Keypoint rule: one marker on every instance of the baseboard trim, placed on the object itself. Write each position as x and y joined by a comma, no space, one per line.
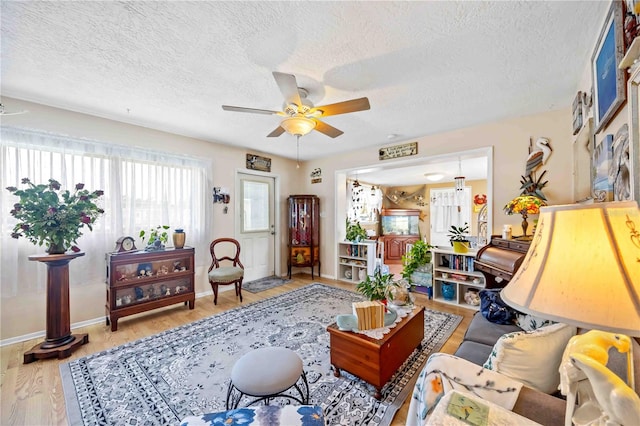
76,325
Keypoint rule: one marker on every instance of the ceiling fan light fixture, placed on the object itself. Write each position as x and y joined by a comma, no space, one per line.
434,177
298,126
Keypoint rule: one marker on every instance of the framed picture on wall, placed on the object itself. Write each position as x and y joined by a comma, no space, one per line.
577,113
602,164
621,169
608,80
634,131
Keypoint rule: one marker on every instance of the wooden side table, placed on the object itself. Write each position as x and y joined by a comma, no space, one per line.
59,342
373,360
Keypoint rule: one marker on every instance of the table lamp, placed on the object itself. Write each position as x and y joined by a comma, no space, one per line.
583,269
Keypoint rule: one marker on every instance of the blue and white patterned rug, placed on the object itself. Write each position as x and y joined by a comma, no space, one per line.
263,284
160,379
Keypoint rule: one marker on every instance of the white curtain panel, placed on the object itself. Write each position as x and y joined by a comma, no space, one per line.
142,189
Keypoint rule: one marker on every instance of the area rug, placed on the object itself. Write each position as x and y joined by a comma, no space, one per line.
263,284
185,371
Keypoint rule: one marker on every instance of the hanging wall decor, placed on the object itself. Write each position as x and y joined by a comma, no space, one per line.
398,151
256,162
608,79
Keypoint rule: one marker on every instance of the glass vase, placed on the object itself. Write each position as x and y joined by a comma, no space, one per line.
56,248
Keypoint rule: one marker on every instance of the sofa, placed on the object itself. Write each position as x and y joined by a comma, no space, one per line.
545,408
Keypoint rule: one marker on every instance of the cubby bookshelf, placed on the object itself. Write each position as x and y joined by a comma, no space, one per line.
356,260
455,270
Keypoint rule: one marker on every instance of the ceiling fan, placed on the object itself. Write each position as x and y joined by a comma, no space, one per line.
301,116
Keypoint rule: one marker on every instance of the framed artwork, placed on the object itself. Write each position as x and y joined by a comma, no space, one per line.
620,167
602,156
608,79
398,151
577,113
634,132
256,162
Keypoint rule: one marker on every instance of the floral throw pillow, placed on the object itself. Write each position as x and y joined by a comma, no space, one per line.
529,322
532,357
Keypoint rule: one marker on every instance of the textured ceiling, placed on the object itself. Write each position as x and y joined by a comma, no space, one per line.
426,67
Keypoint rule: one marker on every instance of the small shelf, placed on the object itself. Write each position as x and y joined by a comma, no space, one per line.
355,260
459,275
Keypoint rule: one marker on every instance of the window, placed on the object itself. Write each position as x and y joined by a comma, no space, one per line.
143,189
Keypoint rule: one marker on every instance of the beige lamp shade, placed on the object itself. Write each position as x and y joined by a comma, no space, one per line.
583,268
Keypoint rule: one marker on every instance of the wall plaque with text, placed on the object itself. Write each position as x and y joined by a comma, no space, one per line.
398,151
255,162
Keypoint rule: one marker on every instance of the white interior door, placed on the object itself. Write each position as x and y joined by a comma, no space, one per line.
448,207
257,225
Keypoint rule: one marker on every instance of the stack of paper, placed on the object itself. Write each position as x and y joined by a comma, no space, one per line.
370,314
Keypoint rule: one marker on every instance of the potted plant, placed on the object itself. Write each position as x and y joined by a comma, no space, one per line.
158,236
355,232
376,288
48,215
415,259
458,237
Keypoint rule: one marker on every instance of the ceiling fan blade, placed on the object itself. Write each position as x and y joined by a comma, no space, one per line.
276,132
252,110
288,87
328,130
353,105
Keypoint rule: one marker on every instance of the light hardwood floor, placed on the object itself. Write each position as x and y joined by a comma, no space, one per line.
31,394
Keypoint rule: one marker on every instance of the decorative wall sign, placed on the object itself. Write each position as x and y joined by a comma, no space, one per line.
398,151
608,79
316,175
255,162
577,113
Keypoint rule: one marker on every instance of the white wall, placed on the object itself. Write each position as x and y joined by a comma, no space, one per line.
26,314
510,141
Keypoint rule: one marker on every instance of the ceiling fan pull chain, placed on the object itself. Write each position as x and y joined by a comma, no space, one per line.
297,151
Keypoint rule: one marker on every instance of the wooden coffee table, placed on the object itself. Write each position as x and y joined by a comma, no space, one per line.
373,360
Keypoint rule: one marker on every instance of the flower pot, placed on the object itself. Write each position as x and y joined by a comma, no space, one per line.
460,246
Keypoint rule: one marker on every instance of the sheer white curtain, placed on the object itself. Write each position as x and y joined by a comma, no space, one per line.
143,189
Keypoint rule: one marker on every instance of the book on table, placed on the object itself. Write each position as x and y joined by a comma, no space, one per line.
468,409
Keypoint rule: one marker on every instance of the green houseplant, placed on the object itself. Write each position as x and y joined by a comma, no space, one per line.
458,237
376,288
158,237
50,215
355,232
419,255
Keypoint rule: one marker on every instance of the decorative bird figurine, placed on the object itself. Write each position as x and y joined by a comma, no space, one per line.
539,156
595,344
619,403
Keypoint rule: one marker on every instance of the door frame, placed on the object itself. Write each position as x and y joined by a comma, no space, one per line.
276,212
340,190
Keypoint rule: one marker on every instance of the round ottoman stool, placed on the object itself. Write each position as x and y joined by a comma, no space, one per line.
268,373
